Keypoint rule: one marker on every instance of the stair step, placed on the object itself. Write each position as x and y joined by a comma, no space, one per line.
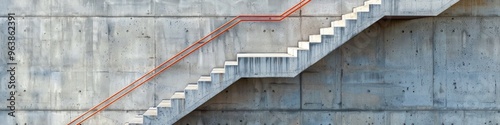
151,112
350,16
263,55
315,38
339,23
231,70
163,109
205,84
294,50
178,95
217,75
326,31
231,63
205,78
365,8
177,101
192,94
373,2
304,44
165,104
192,86
218,70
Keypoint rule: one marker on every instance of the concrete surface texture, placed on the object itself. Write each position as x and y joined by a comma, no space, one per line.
433,70
74,54
288,64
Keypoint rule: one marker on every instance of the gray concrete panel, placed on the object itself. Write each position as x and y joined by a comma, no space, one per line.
473,8
258,94
343,117
468,68
245,118
73,54
321,89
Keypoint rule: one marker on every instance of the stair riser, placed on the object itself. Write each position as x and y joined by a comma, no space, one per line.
267,66
177,107
217,78
191,96
231,72
148,119
163,112
205,87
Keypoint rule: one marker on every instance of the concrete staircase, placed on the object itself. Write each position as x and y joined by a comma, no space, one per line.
254,65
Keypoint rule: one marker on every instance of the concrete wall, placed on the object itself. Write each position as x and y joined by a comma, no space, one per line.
73,54
434,70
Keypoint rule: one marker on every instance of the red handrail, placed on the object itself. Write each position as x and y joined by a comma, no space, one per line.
181,55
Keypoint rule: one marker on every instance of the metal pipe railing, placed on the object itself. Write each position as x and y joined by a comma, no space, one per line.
181,55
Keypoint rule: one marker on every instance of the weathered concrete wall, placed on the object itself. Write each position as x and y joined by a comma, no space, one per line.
435,70
74,54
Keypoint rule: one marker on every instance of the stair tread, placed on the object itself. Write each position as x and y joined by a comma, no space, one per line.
218,70
339,23
327,31
365,8
192,87
178,95
373,2
205,78
304,45
151,111
353,15
315,38
165,103
264,55
137,120
231,63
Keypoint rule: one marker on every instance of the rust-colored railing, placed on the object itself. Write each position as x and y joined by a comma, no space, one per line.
181,55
